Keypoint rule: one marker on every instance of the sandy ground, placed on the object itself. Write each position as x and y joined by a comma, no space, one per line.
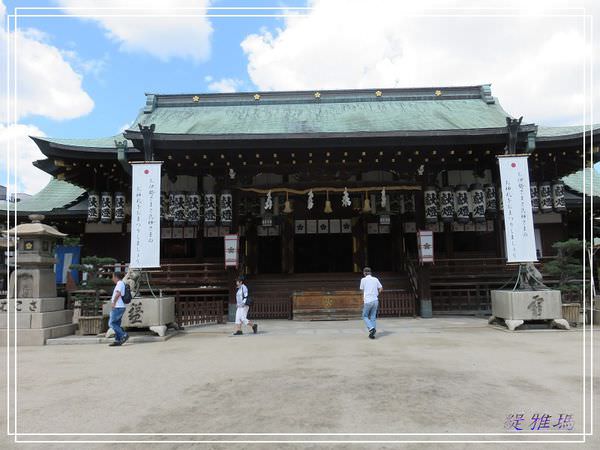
450,375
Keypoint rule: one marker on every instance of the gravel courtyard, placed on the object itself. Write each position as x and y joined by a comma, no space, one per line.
442,375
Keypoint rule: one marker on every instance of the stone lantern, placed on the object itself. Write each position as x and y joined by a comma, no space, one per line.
40,313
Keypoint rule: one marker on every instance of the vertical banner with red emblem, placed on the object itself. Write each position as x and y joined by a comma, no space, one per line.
231,250
425,243
518,218
145,215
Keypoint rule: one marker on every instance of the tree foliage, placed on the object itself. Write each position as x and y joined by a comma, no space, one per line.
567,265
98,275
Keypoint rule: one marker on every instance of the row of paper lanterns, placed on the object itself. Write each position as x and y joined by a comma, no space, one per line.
190,208
449,203
106,207
462,203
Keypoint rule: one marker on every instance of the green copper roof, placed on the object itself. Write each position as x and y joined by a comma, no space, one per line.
305,112
105,142
547,132
56,194
575,181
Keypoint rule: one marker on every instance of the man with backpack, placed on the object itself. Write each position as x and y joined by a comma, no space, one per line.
120,297
243,302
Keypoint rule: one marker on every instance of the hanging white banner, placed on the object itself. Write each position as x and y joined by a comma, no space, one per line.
425,244
518,218
145,215
231,250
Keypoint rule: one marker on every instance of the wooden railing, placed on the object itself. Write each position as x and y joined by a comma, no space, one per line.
396,303
461,299
196,308
179,274
207,274
465,285
276,307
411,271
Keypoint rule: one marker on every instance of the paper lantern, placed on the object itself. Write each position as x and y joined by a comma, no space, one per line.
446,199
119,207
93,207
106,207
477,203
226,208
545,197
462,204
535,197
558,196
491,204
171,206
408,203
164,206
430,199
179,209
193,208
210,209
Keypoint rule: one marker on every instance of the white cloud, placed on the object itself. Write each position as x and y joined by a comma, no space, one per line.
162,37
29,178
535,64
225,85
47,85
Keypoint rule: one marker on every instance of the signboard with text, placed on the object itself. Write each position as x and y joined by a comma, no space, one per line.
145,215
518,216
425,243
231,250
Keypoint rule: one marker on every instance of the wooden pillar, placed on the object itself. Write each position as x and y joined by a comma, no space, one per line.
397,244
235,208
498,222
287,243
358,243
449,240
251,247
448,236
424,270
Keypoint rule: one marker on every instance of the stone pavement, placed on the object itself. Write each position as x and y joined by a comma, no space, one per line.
441,375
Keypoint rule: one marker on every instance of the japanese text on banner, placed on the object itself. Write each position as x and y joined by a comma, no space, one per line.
518,216
145,216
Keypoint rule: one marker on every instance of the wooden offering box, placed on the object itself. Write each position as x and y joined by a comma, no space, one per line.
334,305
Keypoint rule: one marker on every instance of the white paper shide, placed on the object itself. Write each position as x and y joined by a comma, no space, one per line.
145,215
518,218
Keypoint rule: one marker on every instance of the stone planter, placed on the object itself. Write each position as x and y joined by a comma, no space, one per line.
516,307
147,312
90,325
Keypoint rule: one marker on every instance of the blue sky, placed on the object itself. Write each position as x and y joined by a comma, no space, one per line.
118,84
87,77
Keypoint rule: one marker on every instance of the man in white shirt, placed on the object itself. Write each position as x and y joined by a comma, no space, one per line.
117,310
371,288
241,313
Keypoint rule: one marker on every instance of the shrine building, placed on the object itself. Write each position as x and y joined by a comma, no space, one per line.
318,185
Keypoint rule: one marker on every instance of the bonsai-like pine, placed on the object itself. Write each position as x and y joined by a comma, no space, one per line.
98,283
71,241
98,274
567,266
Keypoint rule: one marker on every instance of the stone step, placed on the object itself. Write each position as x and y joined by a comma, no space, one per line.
38,320
38,336
38,305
